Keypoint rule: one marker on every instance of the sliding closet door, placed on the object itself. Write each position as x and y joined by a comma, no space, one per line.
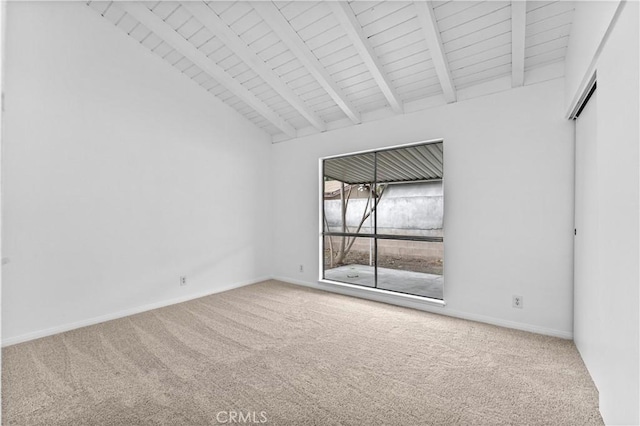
587,277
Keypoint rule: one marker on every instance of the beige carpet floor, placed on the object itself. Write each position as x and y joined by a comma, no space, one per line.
295,356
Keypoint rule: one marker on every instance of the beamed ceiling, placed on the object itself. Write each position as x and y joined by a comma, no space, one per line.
302,67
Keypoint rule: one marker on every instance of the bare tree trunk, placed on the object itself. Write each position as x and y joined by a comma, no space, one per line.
343,217
326,222
345,243
365,217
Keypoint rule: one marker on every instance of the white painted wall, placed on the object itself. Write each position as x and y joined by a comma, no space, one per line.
607,303
2,55
590,23
119,175
508,202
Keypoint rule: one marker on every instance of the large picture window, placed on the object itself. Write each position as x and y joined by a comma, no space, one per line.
382,214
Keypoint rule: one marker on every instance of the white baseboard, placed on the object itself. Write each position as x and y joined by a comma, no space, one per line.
399,300
124,313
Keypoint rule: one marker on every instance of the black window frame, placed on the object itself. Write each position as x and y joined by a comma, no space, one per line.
375,236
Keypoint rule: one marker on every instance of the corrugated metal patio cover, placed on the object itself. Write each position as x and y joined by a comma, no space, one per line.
420,162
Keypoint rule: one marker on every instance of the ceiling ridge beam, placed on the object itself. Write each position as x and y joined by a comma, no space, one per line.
350,24
154,23
220,29
272,16
518,37
429,24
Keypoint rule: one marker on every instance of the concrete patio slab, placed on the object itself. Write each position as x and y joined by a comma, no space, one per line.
416,283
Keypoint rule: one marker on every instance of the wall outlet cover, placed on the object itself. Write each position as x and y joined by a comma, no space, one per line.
517,302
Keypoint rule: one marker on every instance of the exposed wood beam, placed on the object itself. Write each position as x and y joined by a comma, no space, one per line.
429,24
349,22
518,28
281,27
220,29
188,50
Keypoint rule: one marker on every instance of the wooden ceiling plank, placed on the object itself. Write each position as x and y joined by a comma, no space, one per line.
378,12
469,40
545,58
280,26
411,69
548,11
481,66
482,76
558,32
360,71
428,22
481,46
311,16
318,40
363,6
479,10
316,93
264,42
338,45
342,60
343,64
394,33
164,31
221,30
256,33
409,50
295,8
452,8
482,22
485,55
518,32
428,77
400,43
546,46
548,24
394,19
244,24
407,61
350,24
234,13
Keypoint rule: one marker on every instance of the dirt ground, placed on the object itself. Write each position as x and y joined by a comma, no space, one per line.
429,265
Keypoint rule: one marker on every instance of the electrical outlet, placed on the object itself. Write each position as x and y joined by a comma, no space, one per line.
183,280
518,302
301,269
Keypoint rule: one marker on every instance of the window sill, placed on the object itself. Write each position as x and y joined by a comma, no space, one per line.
376,291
